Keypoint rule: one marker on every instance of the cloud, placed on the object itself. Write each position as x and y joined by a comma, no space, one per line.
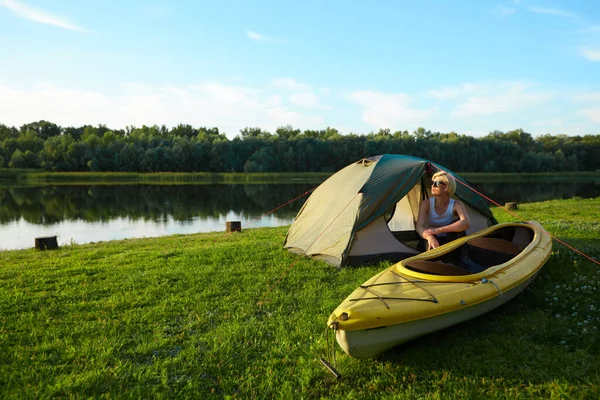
388,110
33,14
308,100
592,113
591,105
230,108
552,11
254,36
590,54
302,94
489,99
453,92
589,96
259,37
290,84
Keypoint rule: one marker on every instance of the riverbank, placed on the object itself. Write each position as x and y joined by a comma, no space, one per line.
112,178
177,316
29,176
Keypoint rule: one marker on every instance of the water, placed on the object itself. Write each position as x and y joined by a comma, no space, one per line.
92,213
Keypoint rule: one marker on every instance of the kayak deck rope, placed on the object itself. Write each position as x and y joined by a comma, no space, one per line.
485,280
369,289
521,218
416,283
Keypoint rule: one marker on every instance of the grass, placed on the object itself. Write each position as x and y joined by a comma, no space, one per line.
178,317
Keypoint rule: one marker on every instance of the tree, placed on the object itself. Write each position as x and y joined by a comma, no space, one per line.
43,129
248,133
26,159
287,132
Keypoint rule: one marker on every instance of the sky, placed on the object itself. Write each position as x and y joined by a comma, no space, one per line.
469,67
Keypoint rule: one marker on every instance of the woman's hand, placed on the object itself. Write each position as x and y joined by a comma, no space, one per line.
432,242
432,231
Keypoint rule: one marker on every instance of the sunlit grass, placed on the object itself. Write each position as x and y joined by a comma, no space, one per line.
178,316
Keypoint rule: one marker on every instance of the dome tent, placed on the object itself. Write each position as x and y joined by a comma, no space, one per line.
368,210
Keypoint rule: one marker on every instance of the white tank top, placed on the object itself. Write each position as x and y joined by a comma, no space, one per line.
444,219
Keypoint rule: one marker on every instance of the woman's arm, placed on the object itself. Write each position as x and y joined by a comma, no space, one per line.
462,224
431,240
421,220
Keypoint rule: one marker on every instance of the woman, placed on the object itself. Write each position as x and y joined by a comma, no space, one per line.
437,223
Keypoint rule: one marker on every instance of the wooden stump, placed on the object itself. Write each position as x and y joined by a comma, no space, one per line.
46,243
511,206
233,226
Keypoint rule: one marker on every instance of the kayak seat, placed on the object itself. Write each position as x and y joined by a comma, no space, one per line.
500,245
489,252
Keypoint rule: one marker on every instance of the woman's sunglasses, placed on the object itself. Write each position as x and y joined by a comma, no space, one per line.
438,183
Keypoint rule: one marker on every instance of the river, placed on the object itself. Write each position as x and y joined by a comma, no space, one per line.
91,213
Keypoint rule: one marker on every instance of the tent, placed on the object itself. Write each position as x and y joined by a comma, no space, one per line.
368,211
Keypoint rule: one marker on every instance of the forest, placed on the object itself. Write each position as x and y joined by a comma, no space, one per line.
50,147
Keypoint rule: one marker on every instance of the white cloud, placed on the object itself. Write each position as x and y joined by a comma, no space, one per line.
382,110
453,92
552,11
290,84
302,94
307,99
259,37
230,108
475,108
590,54
254,36
34,14
488,98
589,96
593,113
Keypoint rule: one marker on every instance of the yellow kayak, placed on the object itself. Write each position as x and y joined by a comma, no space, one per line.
439,288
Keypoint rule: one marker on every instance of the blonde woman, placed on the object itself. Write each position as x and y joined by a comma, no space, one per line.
441,219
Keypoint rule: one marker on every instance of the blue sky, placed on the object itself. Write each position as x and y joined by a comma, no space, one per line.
465,66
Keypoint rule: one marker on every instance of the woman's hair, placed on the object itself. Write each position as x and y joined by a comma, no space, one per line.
447,179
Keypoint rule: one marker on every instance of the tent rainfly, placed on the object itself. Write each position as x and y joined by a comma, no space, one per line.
368,210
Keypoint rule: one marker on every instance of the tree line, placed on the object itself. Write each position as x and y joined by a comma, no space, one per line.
185,148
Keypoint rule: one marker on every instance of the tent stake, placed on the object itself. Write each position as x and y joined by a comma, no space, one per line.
330,368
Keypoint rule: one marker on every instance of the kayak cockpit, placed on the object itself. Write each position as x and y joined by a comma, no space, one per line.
476,254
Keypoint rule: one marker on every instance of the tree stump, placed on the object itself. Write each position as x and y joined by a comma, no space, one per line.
46,243
511,206
233,226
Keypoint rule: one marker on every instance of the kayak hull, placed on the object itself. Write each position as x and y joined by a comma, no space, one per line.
410,299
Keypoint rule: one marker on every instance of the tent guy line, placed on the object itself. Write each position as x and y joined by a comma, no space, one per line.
523,219
299,255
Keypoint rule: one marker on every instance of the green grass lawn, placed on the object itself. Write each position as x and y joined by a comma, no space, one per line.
178,316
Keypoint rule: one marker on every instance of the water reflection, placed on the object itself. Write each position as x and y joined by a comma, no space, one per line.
539,190
92,203
91,213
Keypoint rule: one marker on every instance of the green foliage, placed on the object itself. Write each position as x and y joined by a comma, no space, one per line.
188,149
178,317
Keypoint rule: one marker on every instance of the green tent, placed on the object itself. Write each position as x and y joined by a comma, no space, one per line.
368,210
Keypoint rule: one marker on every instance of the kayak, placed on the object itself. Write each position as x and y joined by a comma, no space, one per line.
442,287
